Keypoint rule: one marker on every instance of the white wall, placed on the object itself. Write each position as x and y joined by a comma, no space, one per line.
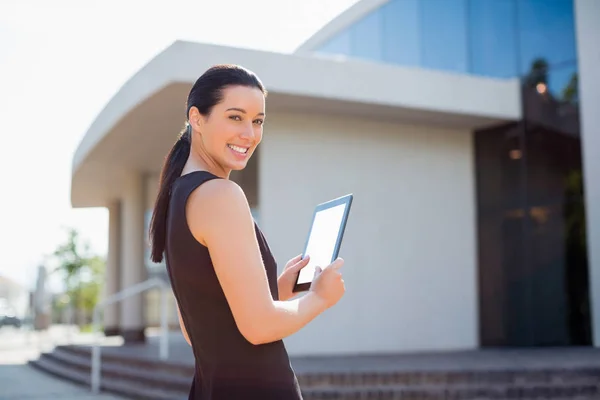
410,244
13,298
151,182
152,297
131,251
151,189
587,14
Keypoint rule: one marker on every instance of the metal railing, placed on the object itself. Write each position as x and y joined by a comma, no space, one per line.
117,297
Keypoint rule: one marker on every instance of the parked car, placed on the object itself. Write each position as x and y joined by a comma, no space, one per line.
8,318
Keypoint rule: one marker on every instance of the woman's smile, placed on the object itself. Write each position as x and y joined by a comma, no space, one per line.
238,149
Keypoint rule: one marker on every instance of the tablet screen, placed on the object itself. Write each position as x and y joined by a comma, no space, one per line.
321,241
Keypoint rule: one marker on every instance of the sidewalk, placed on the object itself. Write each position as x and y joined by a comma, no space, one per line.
19,381
24,382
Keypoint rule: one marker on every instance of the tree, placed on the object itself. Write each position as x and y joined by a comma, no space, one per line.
82,273
570,92
538,73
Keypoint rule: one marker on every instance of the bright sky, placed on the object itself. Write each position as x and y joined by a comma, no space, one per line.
60,63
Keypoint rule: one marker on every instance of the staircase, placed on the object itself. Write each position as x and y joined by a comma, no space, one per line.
142,378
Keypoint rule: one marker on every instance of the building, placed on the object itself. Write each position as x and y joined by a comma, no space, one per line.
14,298
467,131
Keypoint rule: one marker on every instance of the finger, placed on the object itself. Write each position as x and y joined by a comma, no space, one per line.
301,263
294,261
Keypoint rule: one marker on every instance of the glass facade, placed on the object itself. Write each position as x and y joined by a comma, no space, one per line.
533,274
494,38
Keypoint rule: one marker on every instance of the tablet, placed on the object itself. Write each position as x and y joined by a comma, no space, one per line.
324,238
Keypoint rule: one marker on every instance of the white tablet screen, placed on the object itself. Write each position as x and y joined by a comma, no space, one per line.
322,239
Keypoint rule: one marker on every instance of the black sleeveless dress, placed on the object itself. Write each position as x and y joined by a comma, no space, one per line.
227,366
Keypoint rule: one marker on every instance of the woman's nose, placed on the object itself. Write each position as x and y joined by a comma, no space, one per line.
248,131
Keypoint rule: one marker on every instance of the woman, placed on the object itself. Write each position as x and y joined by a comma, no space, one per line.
233,309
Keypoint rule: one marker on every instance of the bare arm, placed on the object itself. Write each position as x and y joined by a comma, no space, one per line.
182,326
219,217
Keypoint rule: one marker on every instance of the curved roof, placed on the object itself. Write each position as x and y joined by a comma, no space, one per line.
353,14
139,124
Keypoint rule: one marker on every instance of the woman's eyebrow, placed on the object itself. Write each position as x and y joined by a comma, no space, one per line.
241,110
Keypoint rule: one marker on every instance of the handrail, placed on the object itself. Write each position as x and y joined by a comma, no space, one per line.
117,297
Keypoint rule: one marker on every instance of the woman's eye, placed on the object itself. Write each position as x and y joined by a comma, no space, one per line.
235,117
259,121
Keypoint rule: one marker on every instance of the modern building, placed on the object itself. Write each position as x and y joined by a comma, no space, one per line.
14,298
467,131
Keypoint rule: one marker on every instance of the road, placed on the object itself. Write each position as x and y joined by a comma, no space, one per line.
19,381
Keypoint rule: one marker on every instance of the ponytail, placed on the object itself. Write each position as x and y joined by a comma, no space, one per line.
171,170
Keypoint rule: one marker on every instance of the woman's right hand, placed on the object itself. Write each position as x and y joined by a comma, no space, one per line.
328,283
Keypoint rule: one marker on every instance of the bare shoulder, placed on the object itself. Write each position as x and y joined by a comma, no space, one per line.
217,203
216,191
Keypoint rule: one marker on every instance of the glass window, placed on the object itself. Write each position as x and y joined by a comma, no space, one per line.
496,38
443,33
400,41
339,44
547,37
366,37
493,38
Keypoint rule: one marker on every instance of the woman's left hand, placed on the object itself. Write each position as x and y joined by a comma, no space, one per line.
287,279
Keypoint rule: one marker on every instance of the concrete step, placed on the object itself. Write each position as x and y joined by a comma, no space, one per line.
388,376
137,390
516,377
122,387
133,361
564,391
144,378
152,377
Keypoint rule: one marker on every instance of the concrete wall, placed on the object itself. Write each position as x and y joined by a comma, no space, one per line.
587,14
152,307
151,188
410,244
14,298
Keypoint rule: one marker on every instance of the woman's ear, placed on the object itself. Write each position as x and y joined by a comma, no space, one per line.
195,119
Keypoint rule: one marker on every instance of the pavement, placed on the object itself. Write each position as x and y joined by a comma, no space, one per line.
19,381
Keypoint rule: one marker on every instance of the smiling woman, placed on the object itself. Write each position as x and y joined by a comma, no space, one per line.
233,308
229,135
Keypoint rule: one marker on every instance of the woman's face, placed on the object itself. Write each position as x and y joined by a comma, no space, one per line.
230,134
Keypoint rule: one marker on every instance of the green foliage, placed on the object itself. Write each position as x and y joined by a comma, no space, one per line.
538,72
570,92
82,271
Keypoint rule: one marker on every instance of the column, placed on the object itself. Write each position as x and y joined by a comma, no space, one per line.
132,258
587,17
112,274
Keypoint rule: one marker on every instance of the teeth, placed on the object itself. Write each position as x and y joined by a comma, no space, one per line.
238,149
